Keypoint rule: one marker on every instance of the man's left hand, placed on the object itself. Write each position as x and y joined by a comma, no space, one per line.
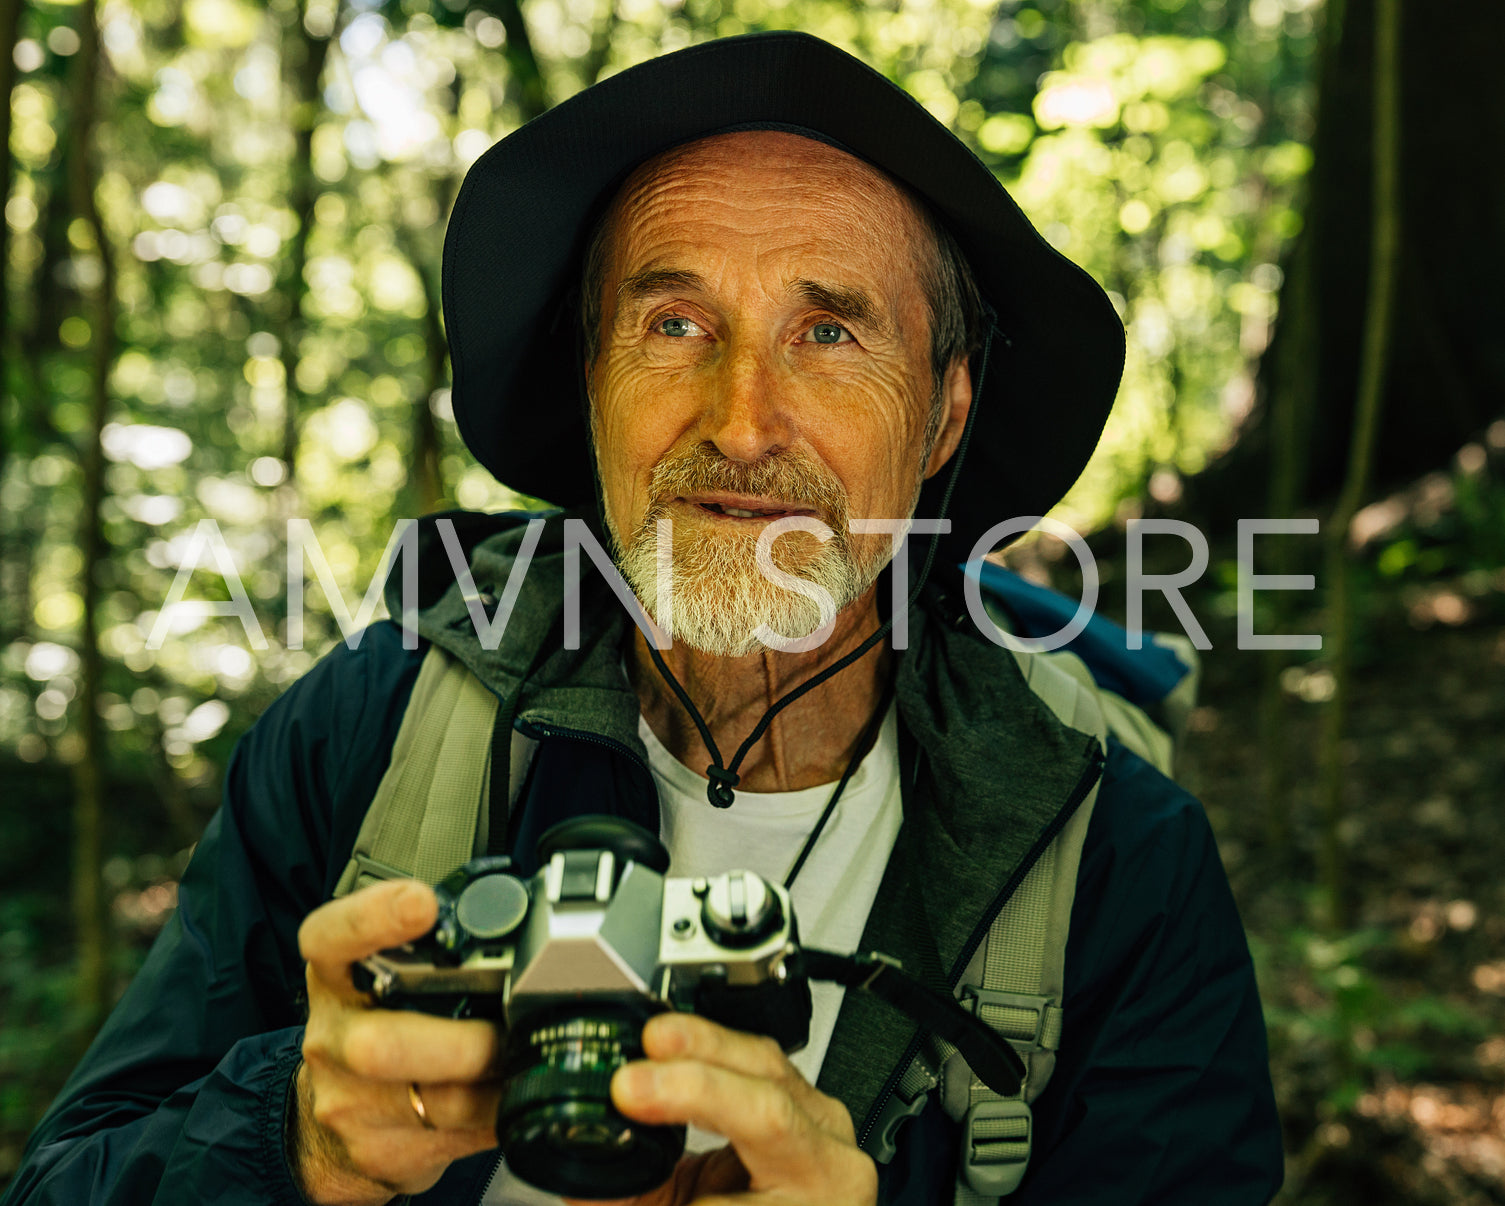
790,1143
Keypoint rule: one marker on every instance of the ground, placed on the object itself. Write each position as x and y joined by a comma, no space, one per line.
1387,1043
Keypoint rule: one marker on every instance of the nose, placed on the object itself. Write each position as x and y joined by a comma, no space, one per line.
746,416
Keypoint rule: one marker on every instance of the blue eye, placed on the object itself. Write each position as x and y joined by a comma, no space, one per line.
827,332
677,328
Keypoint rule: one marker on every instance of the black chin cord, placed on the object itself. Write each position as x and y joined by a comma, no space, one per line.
723,777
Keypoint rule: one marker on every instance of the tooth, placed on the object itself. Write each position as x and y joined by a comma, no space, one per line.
738,513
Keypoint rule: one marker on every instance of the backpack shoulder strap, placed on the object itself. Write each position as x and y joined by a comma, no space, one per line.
1150,727
424,818
1016,980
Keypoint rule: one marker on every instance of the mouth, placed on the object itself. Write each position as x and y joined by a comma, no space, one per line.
742,507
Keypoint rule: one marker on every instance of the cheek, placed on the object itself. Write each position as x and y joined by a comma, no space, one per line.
633,430
872,434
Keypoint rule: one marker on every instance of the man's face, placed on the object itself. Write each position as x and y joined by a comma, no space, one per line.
764,352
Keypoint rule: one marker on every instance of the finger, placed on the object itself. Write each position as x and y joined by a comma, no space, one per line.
387,914
359,1130
395,1045
689,1036
719,1171
779,1143
346,1103
459,1107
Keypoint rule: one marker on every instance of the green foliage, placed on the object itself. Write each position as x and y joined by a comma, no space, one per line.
1446,524
36,991
1166,161
1325,1007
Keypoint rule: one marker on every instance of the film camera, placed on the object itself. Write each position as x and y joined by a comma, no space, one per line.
576,959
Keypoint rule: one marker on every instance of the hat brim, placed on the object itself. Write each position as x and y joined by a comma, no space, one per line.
513,250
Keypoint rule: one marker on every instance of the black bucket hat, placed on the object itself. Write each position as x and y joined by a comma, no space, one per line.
516,238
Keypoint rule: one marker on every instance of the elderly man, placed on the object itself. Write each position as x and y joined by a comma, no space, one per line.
788,276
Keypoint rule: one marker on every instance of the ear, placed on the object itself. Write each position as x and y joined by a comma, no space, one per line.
956,392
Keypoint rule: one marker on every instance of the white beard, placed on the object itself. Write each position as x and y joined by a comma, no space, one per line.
717,598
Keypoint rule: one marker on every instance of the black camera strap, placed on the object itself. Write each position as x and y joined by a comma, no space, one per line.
987,1052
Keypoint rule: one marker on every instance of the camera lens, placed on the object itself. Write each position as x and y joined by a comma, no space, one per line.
556,1125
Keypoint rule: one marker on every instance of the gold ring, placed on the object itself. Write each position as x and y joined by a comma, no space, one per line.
415,1099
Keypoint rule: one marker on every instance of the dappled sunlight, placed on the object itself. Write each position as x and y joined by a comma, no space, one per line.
277,396
1457,1126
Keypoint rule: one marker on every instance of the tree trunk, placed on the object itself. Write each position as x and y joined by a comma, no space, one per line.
303,65
32,428
1446,376
1292,394
90,915
522,64
1384,264
10,25
427,477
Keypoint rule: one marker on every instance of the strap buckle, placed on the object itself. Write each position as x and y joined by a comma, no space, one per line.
996,1139
376,869
922,1079
1032,1034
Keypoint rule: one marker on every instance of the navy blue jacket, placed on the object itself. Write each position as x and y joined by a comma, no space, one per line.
1161,1092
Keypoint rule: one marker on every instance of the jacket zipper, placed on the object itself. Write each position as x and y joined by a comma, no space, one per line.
1089,777
536,730
532,728
496,1171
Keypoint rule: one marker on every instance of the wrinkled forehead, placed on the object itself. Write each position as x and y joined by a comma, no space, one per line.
775,166
763,155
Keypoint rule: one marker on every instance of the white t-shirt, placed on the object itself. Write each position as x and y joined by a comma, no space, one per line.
764,832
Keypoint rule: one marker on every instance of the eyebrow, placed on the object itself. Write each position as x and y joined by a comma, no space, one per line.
841,301
651,281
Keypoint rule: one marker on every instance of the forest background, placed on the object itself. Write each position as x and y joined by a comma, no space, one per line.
219,303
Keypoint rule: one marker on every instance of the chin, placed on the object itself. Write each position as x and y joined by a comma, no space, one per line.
718,599
723,622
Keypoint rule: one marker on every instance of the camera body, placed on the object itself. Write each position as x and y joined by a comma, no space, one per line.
572,962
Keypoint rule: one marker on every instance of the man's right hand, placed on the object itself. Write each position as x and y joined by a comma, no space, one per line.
356,1138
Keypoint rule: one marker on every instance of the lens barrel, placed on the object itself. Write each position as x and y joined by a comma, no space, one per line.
556,1125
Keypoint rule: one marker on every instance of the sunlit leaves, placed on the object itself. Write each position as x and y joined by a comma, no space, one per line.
1143,163
34,132
1006,133
144,445
220,23
1102,77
